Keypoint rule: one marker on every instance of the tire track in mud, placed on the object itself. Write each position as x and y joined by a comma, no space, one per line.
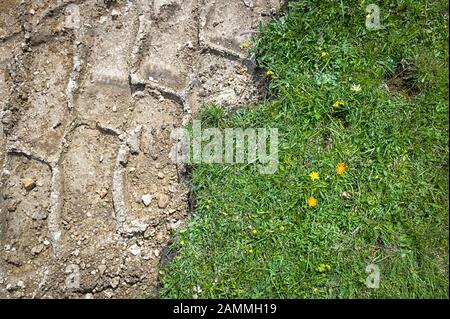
91,91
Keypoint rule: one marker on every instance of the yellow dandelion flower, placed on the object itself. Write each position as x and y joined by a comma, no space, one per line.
324,54
341,168
282,228
245,45
323,268
356,88
338,104
250,251
314,176
312,202
269,73
254,231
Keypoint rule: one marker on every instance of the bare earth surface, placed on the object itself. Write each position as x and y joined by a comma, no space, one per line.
90,92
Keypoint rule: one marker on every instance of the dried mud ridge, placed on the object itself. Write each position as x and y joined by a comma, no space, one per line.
90,91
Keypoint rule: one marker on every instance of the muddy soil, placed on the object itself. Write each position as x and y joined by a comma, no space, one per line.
90,92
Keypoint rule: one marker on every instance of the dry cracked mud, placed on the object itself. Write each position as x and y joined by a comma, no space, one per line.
90,92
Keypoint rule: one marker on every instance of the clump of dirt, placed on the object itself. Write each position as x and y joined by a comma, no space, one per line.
403,79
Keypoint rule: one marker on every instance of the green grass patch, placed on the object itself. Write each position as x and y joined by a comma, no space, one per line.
254,236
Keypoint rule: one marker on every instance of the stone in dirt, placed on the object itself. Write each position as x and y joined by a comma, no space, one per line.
103,193
160,237
134,227
102,269
163,201
146,199
28,183
115,14
15,286
36,250
114,282
135,250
